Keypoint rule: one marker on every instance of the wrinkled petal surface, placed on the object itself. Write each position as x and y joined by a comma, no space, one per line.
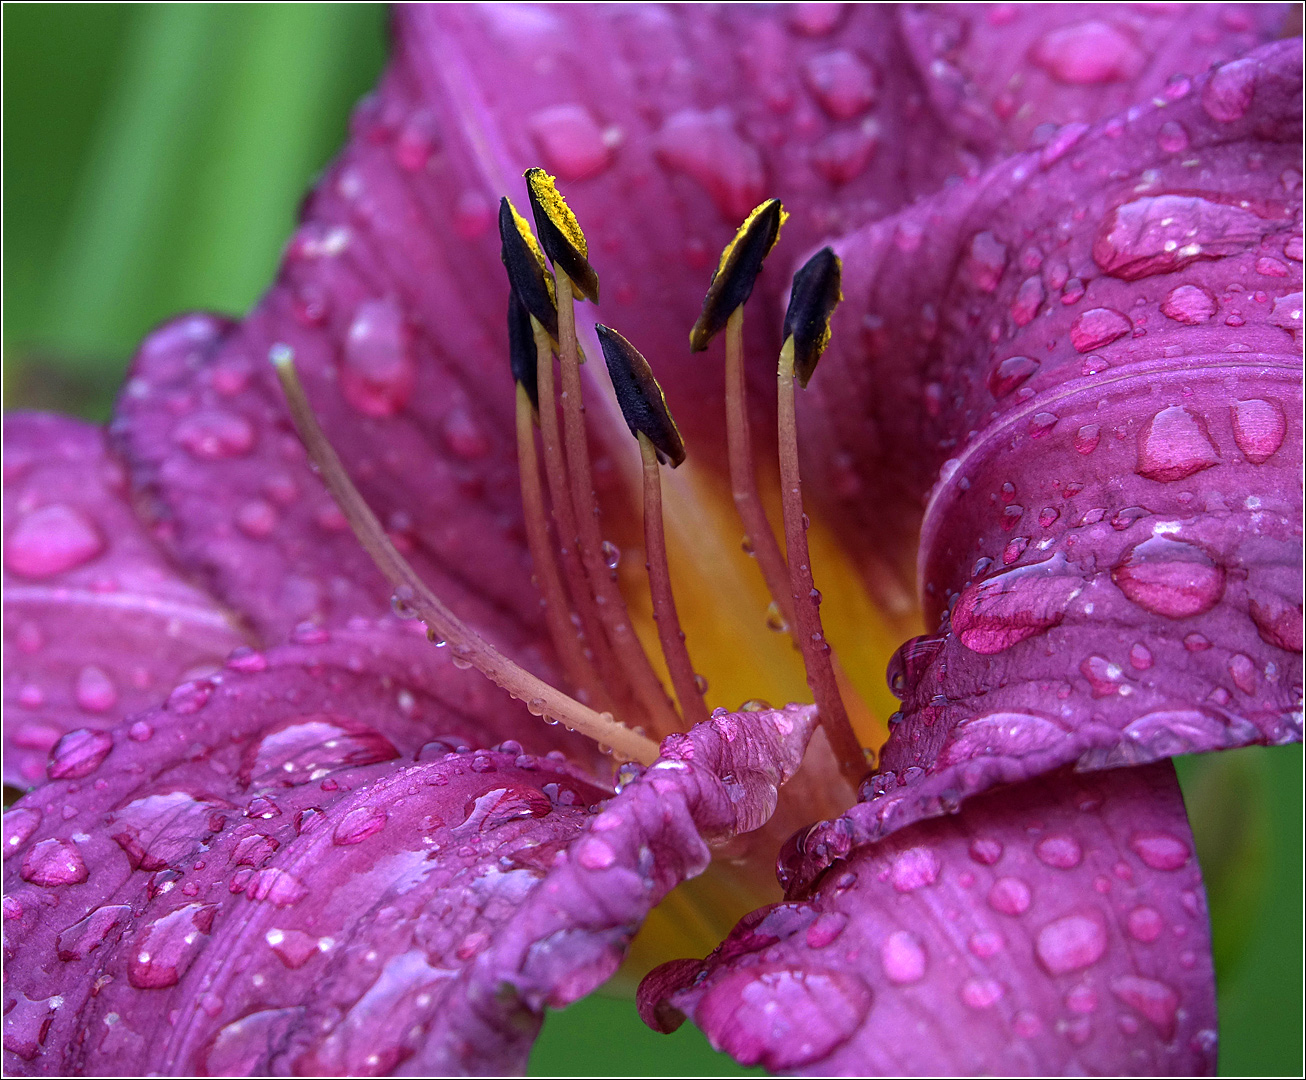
281,871
98,624
1057,927
1111,397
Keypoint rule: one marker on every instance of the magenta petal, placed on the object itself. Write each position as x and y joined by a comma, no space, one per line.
1055,927
281,870
1112,549
98,625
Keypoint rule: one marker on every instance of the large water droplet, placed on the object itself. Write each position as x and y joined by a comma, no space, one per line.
157,831
706,147
1029,298
1169,577
571,141
1002,734
313,747
1098,327
914,869
86,935
1228,92
1103,676
1159,234
1011,373
909,663
826,929
1145,924
843,84
54,862
1155,1000
163,951
379,371
995,614
842,156
19,824
986,261
1160,850
276,886
1060,851
783,1019
1070,944
903,957
1189,304
611,554
1172,137
94,690
1010,896
979,992
1174,445
1258,428
1088,53
79,754
51,540
358,824
212,434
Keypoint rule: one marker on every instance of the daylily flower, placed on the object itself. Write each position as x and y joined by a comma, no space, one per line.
277,829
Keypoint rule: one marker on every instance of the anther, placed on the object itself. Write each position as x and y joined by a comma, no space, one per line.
527,272
736,273
521,349
560,233
468,646
816,293
645,410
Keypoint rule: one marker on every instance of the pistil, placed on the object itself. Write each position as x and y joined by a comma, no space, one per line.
468,646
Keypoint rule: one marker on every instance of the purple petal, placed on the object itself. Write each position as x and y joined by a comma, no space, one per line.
282,871
1112,549
1055,927
98,625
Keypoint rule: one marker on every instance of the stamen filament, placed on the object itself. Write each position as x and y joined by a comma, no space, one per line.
670,634
577,666
467,645
611,605
743,475
610,671
810,636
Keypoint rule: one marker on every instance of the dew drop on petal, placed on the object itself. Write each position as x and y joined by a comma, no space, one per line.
1155,1000
51,540
914,869
1060,851
83,937
1010,896
79,753
980,992
1087,54
163,950
571,141
903,957
1258,428
19,824
1098,327
1160,850
706,147
358,824
212,434
1169,577
379,372
1011,373
985,850
54,862
1070,944
1145,924
1174,445
1228,92
94,690
1189,304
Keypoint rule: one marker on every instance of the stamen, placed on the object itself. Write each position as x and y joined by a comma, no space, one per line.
645,408
810,636
527,273
560,233
736,273
541,698
611,605
610,671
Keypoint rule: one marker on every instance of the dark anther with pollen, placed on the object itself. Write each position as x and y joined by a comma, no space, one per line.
816,293
521,348
527,273
560,233
641,399
736,273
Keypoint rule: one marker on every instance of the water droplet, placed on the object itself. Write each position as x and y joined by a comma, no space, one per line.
979,992
86,935
1029,298
54,862
94,690
358,824
706,147
1160,850
1081,999
985,850
700,684
294,948
1140,656
1010,896
1145,924
1070,944
276,886
1243,672
986,943
1002,610
842,156
571,141
473,214
1087,438
212,434
774,620
312,747
1171,137
417,141
1258,428
19,824
826,929
464,436
157,831
844,85
1156,1001
1159,234
1059,851
914,869
595,854
78,754
246,660
256,519
1011,373
985,262
1098,327
783,1019
1228,92
378,372
1196,642
190,697
1170,578
51,540
1088,53
1189,304
903,957
611,554
1103,676
163,951
1041,423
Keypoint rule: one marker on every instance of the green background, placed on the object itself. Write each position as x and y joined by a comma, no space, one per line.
153,160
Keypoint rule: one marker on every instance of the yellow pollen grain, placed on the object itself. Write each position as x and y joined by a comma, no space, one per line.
545,189
524,230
